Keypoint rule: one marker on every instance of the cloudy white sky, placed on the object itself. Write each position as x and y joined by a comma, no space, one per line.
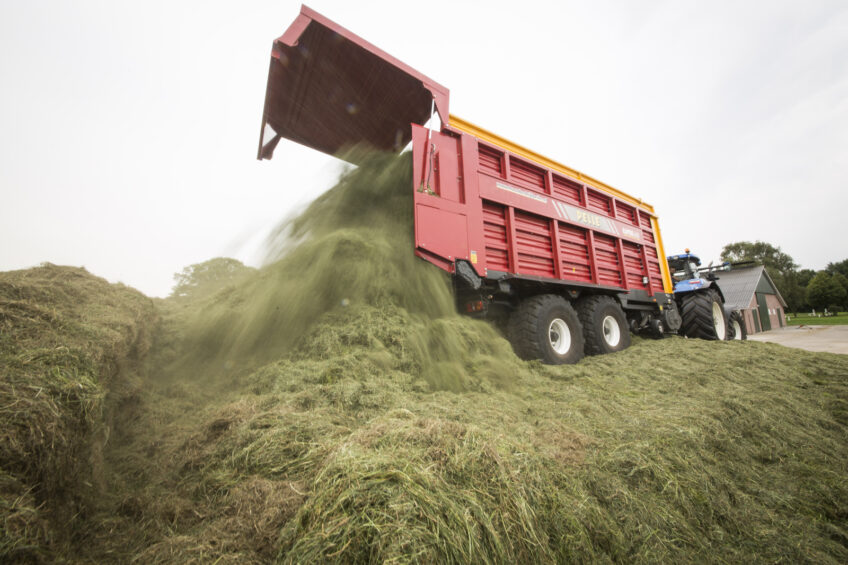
129,130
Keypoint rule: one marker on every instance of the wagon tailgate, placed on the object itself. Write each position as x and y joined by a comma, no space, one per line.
328,89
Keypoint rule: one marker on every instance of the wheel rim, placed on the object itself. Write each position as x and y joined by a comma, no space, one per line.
612,331
559,336
718,321
737,330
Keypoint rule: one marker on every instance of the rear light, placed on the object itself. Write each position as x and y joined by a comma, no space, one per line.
476,306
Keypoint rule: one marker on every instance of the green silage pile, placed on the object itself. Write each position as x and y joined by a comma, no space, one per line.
617,459
68,340
332,407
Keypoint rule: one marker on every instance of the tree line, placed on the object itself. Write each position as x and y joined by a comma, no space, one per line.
802,289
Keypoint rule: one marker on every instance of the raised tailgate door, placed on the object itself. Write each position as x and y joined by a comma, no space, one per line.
329,89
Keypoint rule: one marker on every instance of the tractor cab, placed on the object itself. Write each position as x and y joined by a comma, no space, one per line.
684,266
686,274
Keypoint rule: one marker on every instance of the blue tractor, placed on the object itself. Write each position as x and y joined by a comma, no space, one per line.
699,299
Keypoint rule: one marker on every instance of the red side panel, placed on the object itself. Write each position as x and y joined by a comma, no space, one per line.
497,240
505,214
445,224
534,244
606,256
574,253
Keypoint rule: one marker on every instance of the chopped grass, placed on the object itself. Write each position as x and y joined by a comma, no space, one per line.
333,408
67,340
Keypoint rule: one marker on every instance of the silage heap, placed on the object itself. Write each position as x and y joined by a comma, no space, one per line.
349,256
70,344
362,420
334,408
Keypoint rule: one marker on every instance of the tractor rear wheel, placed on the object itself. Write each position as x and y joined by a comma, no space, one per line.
547,328
604,325
736,326
703,315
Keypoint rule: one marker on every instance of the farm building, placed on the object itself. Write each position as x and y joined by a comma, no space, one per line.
751,291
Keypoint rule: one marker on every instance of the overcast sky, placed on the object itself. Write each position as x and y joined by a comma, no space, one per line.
129,129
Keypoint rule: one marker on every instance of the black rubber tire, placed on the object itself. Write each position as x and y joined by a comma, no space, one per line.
736,327
696,309
530,329
592,311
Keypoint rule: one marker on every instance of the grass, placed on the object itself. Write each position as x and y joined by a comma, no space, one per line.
67,341
839,319
345,456
333,408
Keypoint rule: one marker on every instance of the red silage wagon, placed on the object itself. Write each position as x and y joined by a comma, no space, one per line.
567,263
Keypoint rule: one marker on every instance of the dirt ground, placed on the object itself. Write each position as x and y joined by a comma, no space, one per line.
829,339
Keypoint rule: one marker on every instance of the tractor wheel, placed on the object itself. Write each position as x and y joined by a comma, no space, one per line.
736,326
657,329
547,328
604,325
703,315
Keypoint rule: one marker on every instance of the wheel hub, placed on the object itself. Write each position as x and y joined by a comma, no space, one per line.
737,330
612,331
559,336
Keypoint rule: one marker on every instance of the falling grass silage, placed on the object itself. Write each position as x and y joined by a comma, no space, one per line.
351,247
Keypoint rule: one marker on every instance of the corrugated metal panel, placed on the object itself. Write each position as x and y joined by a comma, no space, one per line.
491,160
533,235
645,221
608,264
566,190
654,271
598,202
529,175
464,126
633,265
625,213
494,233
738,286
574,251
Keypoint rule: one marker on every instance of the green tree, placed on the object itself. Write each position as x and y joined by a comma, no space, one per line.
805,276
780,266
802,279
840,267
775,260
825,291
791,289
203,279
843,282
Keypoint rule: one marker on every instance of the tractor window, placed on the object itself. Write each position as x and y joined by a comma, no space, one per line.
692,271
